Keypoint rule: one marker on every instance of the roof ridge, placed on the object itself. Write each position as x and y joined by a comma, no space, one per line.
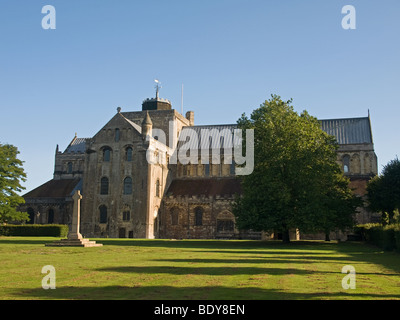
211,125
134,125
335,119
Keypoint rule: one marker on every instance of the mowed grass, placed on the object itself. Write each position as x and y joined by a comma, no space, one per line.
194,269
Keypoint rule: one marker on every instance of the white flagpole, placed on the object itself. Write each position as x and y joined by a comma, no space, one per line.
182,99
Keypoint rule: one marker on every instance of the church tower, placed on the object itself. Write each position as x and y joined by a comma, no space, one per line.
156,103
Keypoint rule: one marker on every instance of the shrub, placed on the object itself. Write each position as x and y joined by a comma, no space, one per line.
386,237
389,242
397,237
363,230
35,230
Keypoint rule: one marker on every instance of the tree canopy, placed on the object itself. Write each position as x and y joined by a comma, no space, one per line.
11,176
296,182
384,191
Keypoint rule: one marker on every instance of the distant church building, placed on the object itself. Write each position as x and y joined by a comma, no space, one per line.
125,194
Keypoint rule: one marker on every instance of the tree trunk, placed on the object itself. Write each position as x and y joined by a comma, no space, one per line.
327,238
285,236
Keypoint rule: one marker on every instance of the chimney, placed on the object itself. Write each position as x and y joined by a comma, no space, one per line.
190,117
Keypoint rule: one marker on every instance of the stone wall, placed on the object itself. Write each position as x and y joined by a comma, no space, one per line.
149,181
181,218
69,165
362,159
47,211
103,210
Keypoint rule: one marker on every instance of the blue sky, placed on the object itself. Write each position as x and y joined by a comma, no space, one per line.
229,55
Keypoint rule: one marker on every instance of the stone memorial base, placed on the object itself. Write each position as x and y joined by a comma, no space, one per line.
74,243
74,238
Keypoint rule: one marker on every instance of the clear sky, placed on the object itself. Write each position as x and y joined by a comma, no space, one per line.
230,55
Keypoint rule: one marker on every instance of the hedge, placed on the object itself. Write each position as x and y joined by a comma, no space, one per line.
35,230
386,237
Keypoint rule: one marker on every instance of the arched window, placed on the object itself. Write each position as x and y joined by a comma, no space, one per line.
207,169
126,215
158,188
104,185
225,225
103,214
117,135
346,163
69,167
50,216
128,154
174,216
106,154
198,212
31,214
225,222
128,185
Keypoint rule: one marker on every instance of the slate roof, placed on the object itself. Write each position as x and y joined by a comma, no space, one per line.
76,145
349,131
55,189
205,186
346,131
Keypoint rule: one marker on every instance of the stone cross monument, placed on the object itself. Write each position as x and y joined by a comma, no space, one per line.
74,238
74,234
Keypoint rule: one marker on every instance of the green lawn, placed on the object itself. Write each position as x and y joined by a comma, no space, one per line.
191,269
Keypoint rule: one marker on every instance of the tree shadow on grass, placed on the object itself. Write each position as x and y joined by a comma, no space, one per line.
213,271
239,260
186,293
299,258
227,271
213,245
220,244
294,252
27,240
364,253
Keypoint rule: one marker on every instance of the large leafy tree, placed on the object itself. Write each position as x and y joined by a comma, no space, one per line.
11,176
296,182
384,191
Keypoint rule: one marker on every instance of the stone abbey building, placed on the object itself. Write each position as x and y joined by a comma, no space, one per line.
128,194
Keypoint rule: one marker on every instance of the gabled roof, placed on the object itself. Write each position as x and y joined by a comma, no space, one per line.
76,145
346,131
55,189
349,131
114,122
